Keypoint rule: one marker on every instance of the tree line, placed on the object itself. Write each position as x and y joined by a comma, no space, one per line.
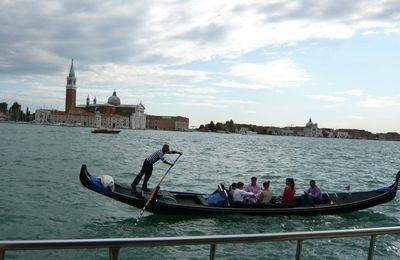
228,126
14,113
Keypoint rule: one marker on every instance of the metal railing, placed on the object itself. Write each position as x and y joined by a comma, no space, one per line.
114,245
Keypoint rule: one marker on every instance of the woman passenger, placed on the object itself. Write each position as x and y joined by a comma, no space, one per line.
265,195
288,199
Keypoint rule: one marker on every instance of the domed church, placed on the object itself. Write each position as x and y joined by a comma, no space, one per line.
114,100
112,114
311,129
112,107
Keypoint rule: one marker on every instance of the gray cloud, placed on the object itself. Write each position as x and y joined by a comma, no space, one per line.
39,38
204,34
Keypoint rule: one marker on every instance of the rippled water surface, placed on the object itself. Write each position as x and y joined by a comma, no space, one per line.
41,196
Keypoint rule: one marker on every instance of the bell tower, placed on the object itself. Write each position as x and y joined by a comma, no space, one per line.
70,94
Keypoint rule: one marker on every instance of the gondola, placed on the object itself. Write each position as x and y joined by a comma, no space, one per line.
185,203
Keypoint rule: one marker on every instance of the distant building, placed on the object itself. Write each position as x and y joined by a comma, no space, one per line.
3,117
172,123
42,116
287,131
328,132
246,131
393,136
112,114
342,134
312,130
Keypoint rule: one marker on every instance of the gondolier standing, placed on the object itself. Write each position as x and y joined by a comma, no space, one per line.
147,167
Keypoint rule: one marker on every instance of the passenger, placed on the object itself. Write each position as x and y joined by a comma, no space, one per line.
232,188
253,187
312,195
288,199
240,196
265,195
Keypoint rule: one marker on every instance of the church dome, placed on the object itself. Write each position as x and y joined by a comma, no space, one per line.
114,100
309,124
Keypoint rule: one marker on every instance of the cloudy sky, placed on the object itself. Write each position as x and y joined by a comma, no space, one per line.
271,63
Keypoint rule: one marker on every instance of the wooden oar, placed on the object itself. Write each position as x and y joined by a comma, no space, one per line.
155,191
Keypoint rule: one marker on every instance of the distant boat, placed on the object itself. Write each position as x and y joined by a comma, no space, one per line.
246,131
105,131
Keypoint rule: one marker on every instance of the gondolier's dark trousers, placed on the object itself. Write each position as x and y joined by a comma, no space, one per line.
147,170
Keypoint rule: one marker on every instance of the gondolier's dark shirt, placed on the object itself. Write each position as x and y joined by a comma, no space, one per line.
154,157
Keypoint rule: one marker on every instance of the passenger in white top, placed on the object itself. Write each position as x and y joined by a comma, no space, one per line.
241,196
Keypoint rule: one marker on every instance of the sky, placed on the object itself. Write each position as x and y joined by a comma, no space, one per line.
269,63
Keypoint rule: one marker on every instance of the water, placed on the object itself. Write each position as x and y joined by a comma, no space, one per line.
42,198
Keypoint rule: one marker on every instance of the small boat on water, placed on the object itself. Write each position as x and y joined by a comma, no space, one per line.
105,131
184,203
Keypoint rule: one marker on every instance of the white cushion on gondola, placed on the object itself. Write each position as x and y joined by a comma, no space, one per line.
107,181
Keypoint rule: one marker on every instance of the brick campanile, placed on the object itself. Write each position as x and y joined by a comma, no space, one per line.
70,92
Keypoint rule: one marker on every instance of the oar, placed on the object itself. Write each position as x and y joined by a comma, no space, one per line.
155,191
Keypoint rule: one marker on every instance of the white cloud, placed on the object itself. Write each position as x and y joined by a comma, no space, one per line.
276,74
215,103
352,92
381,102
327,98
369,32
238,85
356,117
137,75
391,30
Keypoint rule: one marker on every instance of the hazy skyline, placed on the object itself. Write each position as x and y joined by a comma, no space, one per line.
271,63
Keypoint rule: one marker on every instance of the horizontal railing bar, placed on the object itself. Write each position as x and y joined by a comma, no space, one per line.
190,240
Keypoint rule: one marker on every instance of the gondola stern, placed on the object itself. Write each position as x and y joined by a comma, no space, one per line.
85,176
398,177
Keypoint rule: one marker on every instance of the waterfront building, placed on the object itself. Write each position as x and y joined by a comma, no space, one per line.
172,123
342,134
393,136
3,117
328,132
112,114
246,131
311,129
291,131
42,116
287,131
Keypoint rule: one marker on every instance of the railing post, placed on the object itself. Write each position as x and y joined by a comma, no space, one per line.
212,251
298,249
2,254
371,249
114,253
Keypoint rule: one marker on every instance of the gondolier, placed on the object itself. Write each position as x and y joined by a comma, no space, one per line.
147,167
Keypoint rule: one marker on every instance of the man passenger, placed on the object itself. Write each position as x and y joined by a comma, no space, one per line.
312,195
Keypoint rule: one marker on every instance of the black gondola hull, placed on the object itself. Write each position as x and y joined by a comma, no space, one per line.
186,203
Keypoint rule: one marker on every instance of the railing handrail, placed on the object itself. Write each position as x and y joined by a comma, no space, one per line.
191,240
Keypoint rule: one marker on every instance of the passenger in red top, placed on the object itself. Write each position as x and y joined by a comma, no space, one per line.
288,199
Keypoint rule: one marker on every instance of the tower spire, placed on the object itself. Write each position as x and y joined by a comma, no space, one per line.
71,70
70,95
